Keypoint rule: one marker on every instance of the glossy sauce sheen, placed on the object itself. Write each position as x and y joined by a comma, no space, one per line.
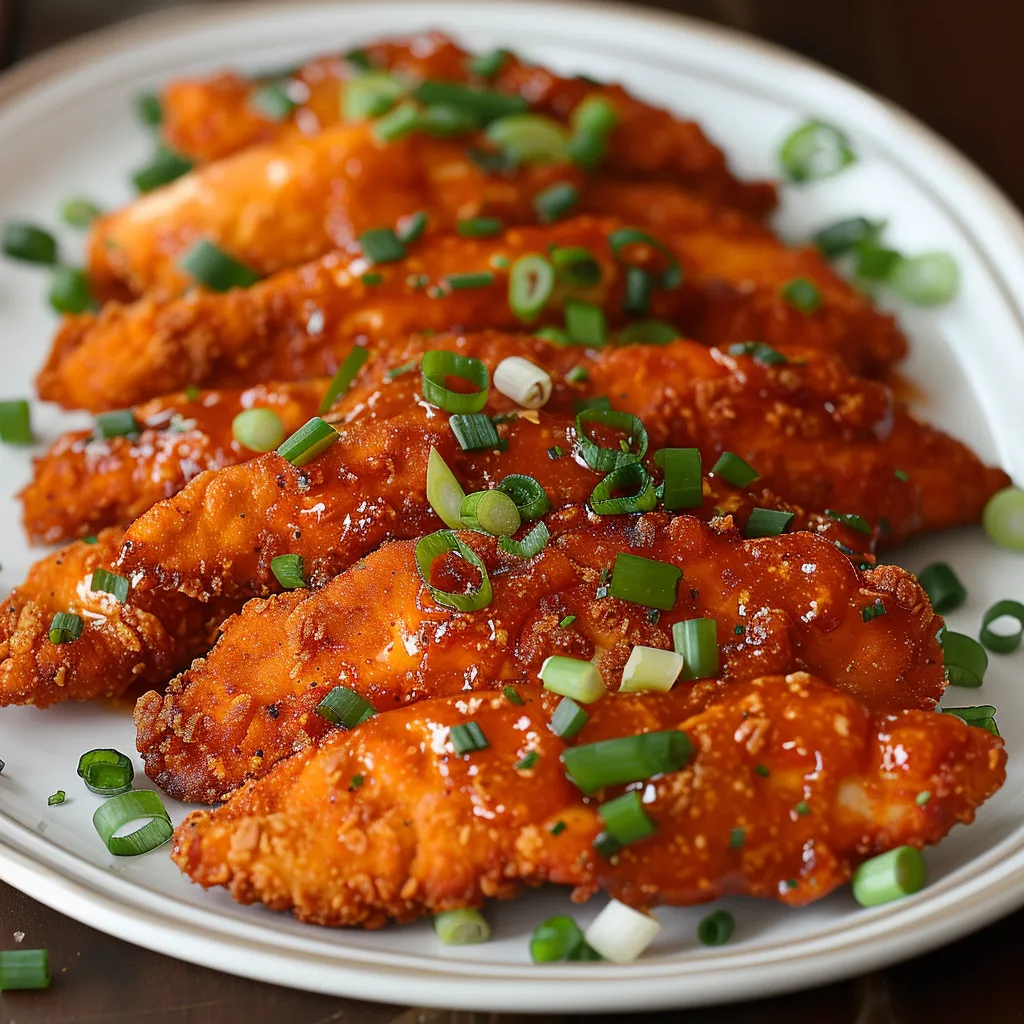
387,823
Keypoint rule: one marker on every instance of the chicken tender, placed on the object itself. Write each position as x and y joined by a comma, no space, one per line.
386,823
780,603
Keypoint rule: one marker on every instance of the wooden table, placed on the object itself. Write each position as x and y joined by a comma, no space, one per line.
956,66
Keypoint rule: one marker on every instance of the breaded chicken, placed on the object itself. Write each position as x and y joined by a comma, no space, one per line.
221,532
210,118
85,483
781,604
147,639
300,323
386,823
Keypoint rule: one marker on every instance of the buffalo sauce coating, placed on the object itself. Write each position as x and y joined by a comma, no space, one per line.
790,788
211,118
780,604
84,483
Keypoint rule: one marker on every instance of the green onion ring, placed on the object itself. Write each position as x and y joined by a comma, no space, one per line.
604,460
1003,643
118,811
440,363
531,499
432,547
633,476
624,237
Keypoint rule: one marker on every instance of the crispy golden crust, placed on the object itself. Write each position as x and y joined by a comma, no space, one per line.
796,600
386,823
146,640
300,323
83,484
210,118
818,435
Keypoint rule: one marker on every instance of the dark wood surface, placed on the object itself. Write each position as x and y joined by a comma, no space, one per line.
956,65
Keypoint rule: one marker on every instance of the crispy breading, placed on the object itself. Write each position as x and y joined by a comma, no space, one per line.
795,600
386,823
147,639
221,532
300,323
84,483
210,118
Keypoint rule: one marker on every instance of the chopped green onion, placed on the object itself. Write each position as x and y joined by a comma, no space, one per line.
650,669
697,641
358,59
645,581
371,278
411,227
55,799
493,512
29,243
964,659
759,352
479,227
568,719
149,109
487,65
70,291
592,120
846,235
577,375
463,282
591,402
850,519
556,335
716,929
107,582
106,772
481,103
555,452
636,479
603,460
344,707
554,939
402,121
890,876
474,432
259,430
467,737
617,762
684,486
273,101
555,202
439,364
313,438
733,470
802,294
118,811
530,498
815,150
214,268
165,167
16,421
529,138
737,837
120,423
522,381
983,716
647,332
943,587
399,371
1003,518
79,213
531,281
873,611
576,266
370,95
923,797
66,627
444,492
639,289
572,677
620,933
624,239
24,969
461,927
381,245
926,280
528,761
443,122
289,571
342,379
432,547
875,262
767,522
512,696
625,819
532,544
567,622
1003,643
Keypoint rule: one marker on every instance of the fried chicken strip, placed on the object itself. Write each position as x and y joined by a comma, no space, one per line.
147,639
210,118
795,600
385,823
221,532
300,323
84,483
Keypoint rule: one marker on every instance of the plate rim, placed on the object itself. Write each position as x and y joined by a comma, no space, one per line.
29,863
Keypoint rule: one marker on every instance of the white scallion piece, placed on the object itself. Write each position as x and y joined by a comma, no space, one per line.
523,382
620,933
573,678
650,668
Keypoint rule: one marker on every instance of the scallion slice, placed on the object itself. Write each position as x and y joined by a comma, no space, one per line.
56,799
684,485
118,811
647,332
555,201
556,335
964,659
512,696
214,268
530,498
576,266
522,381
149,109
432,547
529,138
484,104
890,876
313,438
554,939
846,235
479,227
592,121
767,522
532,544
439,364
875,262
606,499
620,933
273,101
70,291
759,352
344,707
697,641
461,927
926,280
622,241
474,432
568,719
289,571
467,737
716,929
617,762
119,423
531,280
802,294
395,125
16,421
604,460
369,95
487,65
444,492
463,282
165,167
572,677
106,582
1003,518
106,772
625,819
850,519
342,379
445,122
982,715
733,470
381,245
650,669
24,969
1003,643
943,587
639,289
815,150
28,243
492,512
66,627
259,430
645,581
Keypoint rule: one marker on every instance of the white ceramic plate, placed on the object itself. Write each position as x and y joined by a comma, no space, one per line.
68,128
